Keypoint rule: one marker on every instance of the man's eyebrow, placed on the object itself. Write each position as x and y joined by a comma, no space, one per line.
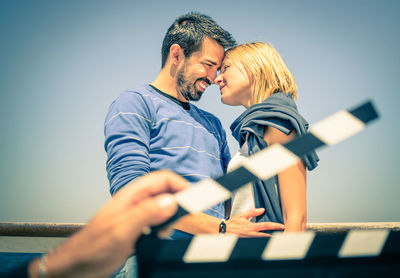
211,62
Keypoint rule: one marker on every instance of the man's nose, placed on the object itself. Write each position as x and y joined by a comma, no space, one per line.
217,79
213,75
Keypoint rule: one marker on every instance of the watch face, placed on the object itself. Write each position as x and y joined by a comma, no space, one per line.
222,227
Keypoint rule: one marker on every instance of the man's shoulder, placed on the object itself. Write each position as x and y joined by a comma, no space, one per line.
136,99
139,95
141,91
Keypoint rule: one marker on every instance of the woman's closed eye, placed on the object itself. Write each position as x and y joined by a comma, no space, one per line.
224,68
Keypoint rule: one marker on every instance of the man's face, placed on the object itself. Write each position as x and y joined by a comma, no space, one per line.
199,70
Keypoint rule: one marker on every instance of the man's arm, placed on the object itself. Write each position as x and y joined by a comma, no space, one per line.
240,224
127,130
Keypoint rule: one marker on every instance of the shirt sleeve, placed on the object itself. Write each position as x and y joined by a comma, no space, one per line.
127,129
283,125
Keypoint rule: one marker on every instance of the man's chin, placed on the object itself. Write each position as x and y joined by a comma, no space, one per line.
197,98
193,97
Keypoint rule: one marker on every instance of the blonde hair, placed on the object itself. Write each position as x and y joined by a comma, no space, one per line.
265,68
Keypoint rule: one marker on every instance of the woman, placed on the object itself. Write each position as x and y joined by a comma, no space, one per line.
255,76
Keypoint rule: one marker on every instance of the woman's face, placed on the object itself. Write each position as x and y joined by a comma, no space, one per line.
234,84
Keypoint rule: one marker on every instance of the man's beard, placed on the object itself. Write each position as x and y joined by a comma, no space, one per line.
187,89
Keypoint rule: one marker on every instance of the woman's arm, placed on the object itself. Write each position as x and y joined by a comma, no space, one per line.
292,185
240,224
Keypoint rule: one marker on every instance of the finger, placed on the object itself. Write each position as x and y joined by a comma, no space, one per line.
263,226
166,232
150,212
162,181
257,234
252,213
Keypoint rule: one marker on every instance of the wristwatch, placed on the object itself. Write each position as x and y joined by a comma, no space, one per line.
222,227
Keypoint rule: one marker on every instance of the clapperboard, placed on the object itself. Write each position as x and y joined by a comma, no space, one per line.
365,253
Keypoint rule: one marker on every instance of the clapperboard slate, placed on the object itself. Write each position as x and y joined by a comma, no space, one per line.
356,253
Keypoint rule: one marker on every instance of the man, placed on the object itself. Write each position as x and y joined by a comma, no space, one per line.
155,127
101,247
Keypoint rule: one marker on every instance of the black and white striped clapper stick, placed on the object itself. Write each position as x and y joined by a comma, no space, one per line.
270,161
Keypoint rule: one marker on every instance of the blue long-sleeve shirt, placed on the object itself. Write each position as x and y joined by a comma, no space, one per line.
147,131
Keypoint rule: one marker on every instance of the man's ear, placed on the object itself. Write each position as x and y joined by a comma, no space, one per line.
176,54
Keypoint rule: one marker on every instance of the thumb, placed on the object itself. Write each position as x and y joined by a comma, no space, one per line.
252,213
153,211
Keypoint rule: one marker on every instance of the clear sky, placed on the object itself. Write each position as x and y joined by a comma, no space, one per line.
63,62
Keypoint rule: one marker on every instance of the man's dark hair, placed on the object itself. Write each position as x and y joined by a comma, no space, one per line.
189,30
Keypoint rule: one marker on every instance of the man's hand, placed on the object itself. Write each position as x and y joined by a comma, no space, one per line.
242,226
